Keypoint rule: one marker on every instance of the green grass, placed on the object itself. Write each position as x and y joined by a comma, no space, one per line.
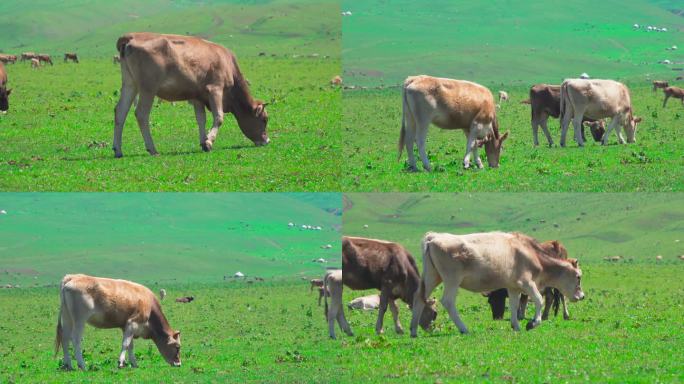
164,238
60,125
510,42
372,121
626,330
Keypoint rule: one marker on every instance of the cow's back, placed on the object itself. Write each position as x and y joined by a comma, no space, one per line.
545,98
601,98
366,262
449,103
3,75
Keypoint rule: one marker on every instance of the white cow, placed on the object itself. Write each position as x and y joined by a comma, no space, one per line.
365,303
333,284
597,99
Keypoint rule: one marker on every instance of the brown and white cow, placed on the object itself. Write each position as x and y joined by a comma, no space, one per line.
4,92
449,104
35,63
71,56
365,303
8,59
597,99
483,262
177,68
111,303
44,58
385,266
337,80
315,283
660,84
28,56
677,93
503,96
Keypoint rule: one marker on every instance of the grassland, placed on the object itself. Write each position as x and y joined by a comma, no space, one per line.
59,129
372,120
510,43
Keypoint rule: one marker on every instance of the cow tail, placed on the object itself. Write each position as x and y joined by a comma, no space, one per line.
404,116
58,333
325,296
563,94
556,301
426,259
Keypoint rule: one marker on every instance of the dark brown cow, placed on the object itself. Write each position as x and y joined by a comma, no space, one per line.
186,299
71,56
675,92
660,84
387,267
316,283
4,92
8,59
44,58
545,103
177,68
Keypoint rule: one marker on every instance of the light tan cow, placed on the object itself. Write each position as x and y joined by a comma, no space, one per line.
337,80
177,68
110,303
597,99
483,262
660,84
28,56
503,96
8,59
35,63
365,303
333,283
449,104
677,93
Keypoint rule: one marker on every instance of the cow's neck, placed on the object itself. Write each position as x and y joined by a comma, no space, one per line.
158,326
241,98
552,269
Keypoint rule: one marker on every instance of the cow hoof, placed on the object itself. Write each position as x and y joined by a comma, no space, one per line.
531,325
208,145
332,337
413,335
204,147
399,331
566,317
463,331
118,155
412,169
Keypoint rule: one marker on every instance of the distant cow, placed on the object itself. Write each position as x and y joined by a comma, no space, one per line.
660,84
675,92
186,299
4,92
365,303
110,303
387,267
28,56
35,63
162,294
8,59
597,99
44,58
482,262
337,80
177,68
316,283
322,292
503,96
449,104
116,59
71,56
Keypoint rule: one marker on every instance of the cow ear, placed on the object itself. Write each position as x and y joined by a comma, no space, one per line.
9,91
259,109
556,246
637,120
574,262
504,137
176,335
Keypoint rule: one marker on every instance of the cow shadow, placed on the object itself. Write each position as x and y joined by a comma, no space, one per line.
110,157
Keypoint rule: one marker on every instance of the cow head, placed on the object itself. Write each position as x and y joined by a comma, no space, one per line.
4,99
569,281
253,123
169,347
597,129
429,314
631,128
493,147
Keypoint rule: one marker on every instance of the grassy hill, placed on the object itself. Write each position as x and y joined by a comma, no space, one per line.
509,42
160,237
591,225
282,27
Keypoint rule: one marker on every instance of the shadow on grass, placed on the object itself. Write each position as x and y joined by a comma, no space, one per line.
161,154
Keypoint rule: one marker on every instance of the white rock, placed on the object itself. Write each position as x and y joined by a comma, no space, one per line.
239,274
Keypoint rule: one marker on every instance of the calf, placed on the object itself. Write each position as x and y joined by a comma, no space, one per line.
503,96
677,93
482,262
71,56
660,84
110,303
597,99
365,303
35,63
322,293
316,283
337,80
186,299
44,58
162,294
4,92
449,104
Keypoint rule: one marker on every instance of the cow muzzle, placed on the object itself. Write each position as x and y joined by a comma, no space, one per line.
262,143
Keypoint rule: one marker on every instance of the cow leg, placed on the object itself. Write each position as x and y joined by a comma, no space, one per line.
216,103
381,312
535,132
201,117
142,113
449,302
67,329
545,128
531,289
430,280
611,126
522,306
320,296
421,139
128,93
618,132
514,301
565,122
548,301
566,314
395,315
131,355
471,144
665,101
342,320
409,140
577,129
76,339
126,344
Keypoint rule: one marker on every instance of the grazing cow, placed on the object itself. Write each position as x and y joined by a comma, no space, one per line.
322,292
552,297
186,299
110,303
337,80
71,56
8,59
503,96
162,294
597,99
660,84
116,59
365,303
597,129
387,267
677,93
316,283
44,58
449,104
28,56
35,63
177,68
483,262
4,92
